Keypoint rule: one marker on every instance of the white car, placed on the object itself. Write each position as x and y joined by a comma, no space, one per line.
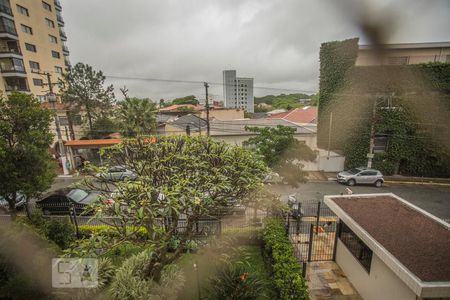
361,176
117,173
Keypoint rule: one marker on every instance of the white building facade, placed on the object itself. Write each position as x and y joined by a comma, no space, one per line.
237,91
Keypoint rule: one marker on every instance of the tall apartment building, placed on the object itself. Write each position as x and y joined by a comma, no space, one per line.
32,38
237,91
404,54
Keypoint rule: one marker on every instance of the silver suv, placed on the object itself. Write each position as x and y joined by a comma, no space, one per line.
361,176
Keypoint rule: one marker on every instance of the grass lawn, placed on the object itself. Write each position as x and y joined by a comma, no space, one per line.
206,263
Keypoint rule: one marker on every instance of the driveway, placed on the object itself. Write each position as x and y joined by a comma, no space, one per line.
434,199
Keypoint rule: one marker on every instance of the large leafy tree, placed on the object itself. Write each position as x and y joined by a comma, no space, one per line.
281,151
136,116
85,88
26,165
186,100
179,178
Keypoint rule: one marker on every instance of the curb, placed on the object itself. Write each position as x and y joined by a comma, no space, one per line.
417,183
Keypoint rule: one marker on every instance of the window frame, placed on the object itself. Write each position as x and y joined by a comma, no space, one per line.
22,9
38,80
355,246
50,23
46,6
53,39
26,29
32,46
34,62
59,54
59,69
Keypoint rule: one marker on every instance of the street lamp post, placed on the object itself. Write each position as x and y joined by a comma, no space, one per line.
62,152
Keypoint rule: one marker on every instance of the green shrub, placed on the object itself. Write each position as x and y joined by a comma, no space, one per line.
61,232
88,230
285,267
234,280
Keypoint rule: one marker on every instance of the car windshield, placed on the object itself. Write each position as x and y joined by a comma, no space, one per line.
77,195
354,171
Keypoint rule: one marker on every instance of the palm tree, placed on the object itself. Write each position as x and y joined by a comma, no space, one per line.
137,116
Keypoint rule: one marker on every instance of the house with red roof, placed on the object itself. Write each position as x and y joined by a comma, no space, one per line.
301,115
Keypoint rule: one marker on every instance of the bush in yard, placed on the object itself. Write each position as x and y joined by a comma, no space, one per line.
60,231
235,281
285,267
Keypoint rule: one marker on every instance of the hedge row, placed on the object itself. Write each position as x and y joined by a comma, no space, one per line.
285,267
88,230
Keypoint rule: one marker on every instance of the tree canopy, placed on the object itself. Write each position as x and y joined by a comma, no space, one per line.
185,100
281,151
26,165
136,116
178,178
84,88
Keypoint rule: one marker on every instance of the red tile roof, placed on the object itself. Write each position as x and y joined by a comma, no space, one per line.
307,114
87,143
176,107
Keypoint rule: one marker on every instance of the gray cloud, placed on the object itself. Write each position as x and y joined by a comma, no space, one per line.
275,41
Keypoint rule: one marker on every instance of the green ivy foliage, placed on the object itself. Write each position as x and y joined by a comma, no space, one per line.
285,267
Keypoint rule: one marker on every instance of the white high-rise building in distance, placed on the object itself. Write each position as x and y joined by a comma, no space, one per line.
237,91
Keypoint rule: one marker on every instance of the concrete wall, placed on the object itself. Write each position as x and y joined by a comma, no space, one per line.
380,283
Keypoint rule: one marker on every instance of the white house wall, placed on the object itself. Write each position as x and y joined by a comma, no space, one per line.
380,283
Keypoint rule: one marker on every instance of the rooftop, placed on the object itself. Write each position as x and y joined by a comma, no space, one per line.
301,115
412,242
409,46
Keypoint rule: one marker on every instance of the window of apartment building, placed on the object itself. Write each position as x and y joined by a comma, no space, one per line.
52,39
56,54
7,25
398,60
63,120
34,65
30,47
58,69
26,29
22,10
50,23
46,6
11,65
38,82
356,246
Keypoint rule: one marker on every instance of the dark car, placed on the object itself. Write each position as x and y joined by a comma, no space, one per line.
61,201
20,202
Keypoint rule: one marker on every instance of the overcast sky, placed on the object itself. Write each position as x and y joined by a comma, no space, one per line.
275,41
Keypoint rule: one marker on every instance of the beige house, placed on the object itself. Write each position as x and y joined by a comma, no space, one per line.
233,131
391,249
404,54
32,39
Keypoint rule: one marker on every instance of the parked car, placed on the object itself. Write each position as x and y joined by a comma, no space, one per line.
20,202
117,173
60,201
361,176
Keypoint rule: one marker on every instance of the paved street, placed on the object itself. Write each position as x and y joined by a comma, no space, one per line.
434,199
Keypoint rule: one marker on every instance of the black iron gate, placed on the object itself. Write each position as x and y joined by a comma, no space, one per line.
312,228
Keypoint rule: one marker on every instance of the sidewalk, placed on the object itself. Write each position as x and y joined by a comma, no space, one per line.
326,281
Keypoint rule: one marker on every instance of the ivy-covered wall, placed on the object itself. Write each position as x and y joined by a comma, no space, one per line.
412,111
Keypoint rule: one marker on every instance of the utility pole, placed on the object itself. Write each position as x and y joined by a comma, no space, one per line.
207,108
52,100
329,134
372,134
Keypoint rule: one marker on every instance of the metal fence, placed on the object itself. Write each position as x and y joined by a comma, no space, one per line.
312,231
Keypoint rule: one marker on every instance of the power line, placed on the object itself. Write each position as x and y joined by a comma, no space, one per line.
202,82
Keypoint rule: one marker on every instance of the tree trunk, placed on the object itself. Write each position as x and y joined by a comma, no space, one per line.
89,118
71,131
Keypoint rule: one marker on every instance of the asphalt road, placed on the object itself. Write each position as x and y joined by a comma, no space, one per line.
432,198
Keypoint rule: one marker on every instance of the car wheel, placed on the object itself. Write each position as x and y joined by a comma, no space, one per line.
47,212
351,182
378,183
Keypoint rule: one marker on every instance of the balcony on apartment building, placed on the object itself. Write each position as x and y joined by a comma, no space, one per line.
5,7
59,18
12,67
62,34
16,84
65,49
7,28
58,5
67,62
10,48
